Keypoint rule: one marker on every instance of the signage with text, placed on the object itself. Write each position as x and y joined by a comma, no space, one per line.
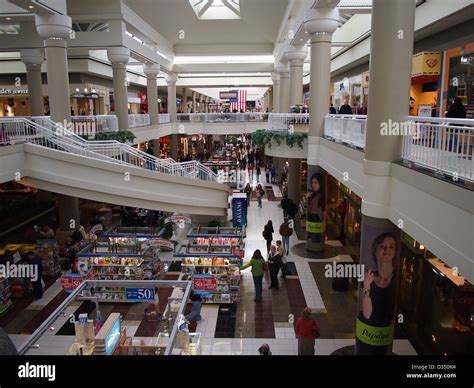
140,294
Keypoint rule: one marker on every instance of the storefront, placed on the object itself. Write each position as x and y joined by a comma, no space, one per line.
424,89
14,101
340,196
436,303
458,80
89,99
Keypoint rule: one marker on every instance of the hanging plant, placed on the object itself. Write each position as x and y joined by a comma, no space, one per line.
121,136
263,137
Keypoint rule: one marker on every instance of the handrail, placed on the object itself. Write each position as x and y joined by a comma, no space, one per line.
49,134
222,117
138,120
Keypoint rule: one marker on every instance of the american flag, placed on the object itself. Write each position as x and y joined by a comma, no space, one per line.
241,102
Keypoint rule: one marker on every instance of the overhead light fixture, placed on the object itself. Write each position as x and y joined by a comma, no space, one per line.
161,54
8,18
31,7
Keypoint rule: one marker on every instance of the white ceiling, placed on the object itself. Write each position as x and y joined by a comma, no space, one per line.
259,24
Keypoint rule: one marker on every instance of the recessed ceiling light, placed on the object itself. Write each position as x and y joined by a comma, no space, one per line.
8,18
31,7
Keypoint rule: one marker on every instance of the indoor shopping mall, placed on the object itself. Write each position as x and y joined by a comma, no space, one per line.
229,179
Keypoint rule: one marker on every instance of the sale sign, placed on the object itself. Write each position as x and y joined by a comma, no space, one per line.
203,284
69,282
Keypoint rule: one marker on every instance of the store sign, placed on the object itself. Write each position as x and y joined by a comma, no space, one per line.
13,92
426,63
365,79
230,95
112,338
203,284
140,294
70,282
160,243
179,219
239,210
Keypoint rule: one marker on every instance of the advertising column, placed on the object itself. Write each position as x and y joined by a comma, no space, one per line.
320,23
390,69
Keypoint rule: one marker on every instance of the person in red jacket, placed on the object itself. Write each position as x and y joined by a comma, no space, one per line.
307,330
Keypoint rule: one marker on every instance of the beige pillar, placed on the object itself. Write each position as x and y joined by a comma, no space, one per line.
119,57
296,57
33,59
151,71
171,79
284,88
276,92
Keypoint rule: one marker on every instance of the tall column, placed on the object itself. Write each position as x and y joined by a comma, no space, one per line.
33,59
296,57
55,29
171,79
270,99
151,71
194,97
184,101
276,92
119,57
320,23
284,88
294,179
392,36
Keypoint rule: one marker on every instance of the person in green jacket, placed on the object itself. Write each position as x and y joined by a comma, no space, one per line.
257,263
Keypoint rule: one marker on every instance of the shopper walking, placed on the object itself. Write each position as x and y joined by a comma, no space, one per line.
345,109
195,313
258,172
35,260
282,253
248,191
273,173
292,210
260,194
267,173
286,231
257,262
284,205
342,209
275,263
268,234
307,330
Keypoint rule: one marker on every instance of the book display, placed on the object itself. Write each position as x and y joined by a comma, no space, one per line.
5,294
48,250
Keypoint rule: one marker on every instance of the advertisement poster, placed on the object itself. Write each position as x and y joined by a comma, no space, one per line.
316,213
203,284
239,210
424,110
380,256
140,294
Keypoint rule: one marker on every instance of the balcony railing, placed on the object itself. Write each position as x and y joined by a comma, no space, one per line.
291,122
221,117
164,118
138,120
86,125
442,145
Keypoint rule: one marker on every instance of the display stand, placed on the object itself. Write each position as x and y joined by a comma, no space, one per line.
5,294
48,250
108,340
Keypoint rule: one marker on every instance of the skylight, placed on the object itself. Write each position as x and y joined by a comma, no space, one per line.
216,9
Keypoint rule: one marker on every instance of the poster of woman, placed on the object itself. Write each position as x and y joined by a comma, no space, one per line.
315,222
377,292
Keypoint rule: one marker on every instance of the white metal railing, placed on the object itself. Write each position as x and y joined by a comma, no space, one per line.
292,122
87,125
138,120
164,118
221,117
46,133
348,129
443,145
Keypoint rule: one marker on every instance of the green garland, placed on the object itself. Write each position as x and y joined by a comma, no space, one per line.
121,136
264,137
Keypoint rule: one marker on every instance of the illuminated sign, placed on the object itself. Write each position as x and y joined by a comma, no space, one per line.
112,338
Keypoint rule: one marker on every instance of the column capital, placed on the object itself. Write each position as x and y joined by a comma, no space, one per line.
296,55
34,57
171,78
321,20
275,78
151,70
283,70
118,54
53,26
